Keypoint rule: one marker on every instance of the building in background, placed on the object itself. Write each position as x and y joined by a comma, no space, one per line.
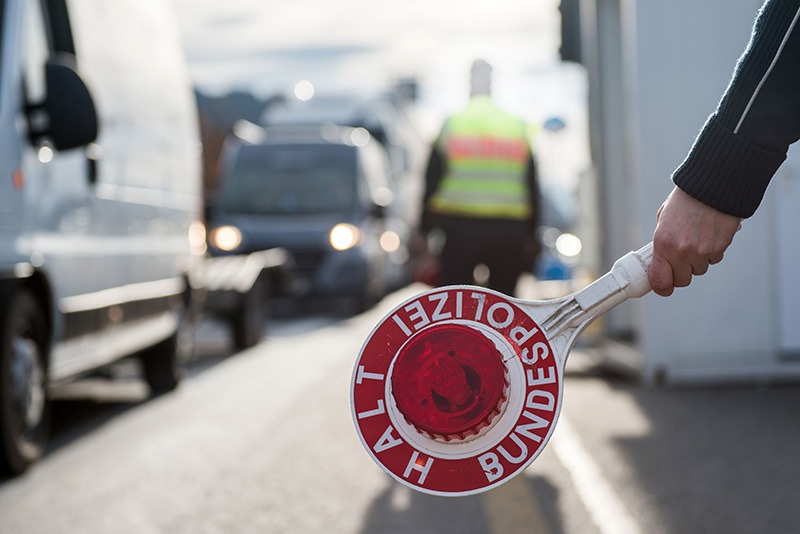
656,71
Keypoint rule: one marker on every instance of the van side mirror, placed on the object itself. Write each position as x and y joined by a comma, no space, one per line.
70,116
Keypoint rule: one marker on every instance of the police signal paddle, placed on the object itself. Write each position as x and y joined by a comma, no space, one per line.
459,388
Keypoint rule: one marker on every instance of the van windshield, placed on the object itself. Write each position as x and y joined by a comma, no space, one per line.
292,179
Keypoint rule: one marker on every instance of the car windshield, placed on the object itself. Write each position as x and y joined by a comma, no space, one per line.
292,179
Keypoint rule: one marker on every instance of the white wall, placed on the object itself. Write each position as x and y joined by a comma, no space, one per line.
728,323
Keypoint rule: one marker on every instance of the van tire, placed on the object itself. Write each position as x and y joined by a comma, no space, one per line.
24,402
250,317
162,367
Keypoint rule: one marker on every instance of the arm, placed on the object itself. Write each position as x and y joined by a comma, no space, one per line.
532,246
741,146
434,172
534,195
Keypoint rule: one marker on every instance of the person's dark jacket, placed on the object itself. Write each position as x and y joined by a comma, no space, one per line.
746,139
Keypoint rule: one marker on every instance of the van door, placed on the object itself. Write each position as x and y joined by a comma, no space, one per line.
145,186
56,206
10,176
109,233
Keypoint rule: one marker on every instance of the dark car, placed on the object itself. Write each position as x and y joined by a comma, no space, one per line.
321,193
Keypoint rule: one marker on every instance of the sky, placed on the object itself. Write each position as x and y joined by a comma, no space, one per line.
364,46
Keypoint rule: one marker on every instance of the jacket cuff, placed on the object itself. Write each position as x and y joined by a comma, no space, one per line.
727,172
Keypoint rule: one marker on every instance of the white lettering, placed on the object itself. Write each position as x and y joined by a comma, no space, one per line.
520,335
491,466
414,465
493,320
437,314
481,298
361,375
541,379
540,350
401,324
386,441
377,411
420,314
459,304
548,405
523,451
525,430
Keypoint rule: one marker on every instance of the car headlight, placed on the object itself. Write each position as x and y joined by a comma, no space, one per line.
344,236
568,245
225,238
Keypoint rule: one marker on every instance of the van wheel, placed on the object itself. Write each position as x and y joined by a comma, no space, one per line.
24,403
162,367
250,317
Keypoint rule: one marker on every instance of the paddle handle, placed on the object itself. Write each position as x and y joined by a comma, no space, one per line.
627,279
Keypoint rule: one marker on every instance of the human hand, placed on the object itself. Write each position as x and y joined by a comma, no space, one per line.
689,236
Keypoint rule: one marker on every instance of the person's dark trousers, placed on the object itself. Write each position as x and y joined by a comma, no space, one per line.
496,243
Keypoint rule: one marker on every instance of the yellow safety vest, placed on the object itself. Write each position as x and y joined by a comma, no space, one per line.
487,152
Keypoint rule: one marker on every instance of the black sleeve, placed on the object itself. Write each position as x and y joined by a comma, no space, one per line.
434,172
745,141
535,196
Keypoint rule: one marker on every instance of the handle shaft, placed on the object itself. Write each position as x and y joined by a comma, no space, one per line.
626,279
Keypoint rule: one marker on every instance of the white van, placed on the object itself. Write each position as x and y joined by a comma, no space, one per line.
99,190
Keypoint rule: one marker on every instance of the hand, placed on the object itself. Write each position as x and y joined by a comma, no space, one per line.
689,237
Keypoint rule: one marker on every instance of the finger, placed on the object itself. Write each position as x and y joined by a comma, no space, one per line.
681,275
700,268
660,276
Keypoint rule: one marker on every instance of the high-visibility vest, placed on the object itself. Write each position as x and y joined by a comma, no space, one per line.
487,152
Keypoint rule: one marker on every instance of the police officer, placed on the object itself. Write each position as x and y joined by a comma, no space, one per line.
481,191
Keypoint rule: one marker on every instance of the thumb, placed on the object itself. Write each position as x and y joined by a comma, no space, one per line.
660,276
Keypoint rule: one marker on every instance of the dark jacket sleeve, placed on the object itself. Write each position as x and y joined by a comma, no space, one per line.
745,141
434,172
535,197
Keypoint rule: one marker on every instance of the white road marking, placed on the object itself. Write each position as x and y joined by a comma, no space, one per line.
606,509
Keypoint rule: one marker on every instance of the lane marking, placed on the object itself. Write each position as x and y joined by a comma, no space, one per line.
606,509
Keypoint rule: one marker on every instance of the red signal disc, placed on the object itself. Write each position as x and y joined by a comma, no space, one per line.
389,428
449,381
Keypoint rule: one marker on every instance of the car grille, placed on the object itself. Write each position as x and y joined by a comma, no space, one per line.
306,262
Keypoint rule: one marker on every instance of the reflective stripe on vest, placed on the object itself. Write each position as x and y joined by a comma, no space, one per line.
487,154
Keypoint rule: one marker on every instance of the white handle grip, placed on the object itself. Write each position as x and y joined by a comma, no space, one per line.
626,279
632,268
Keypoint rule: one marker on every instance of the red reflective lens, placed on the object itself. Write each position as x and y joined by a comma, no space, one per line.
449,381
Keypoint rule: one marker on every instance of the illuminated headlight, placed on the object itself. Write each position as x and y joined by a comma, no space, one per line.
344,236
568,245
225,238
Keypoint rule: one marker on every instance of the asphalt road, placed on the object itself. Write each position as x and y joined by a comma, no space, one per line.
263,442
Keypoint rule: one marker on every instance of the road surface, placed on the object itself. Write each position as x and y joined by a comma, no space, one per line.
262,442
